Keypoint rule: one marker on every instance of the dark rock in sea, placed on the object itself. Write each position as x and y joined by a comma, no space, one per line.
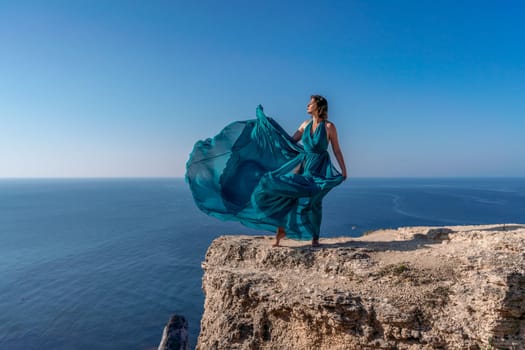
175,335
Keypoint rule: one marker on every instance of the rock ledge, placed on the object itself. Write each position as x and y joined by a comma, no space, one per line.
455,287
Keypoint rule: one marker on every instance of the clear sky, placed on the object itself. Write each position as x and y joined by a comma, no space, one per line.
125,88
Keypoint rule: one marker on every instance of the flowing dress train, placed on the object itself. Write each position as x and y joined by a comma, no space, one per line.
255,173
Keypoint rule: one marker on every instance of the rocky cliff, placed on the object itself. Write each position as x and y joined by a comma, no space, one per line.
412,288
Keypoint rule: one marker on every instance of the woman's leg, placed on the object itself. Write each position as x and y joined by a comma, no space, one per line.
316,215
279,235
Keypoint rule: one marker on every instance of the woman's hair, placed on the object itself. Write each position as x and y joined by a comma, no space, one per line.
322,106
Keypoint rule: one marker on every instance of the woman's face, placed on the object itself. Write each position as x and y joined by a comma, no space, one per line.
311,107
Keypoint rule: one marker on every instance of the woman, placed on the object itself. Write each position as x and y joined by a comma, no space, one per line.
255,173
318,109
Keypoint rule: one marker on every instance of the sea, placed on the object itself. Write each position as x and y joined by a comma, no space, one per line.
103,263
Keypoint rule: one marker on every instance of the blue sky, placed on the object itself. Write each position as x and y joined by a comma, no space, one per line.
125,88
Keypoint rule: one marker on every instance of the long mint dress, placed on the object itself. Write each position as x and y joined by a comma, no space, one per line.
255,173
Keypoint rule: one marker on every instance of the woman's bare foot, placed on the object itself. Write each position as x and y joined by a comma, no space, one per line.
280,234
315,243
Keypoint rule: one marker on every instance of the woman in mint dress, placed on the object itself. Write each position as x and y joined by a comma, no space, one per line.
255,173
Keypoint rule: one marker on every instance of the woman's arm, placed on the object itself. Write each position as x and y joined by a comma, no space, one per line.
332,136
299,133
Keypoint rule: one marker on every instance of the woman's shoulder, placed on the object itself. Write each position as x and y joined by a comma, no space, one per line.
304,124
331,131
329,125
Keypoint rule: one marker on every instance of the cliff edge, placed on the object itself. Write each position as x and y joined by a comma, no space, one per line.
455,287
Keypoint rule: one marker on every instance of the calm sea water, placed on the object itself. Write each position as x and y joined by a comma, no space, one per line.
102,264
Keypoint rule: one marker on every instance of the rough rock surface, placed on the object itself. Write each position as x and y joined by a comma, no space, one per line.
175,335
456,287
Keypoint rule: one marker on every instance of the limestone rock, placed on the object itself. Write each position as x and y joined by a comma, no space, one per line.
457,287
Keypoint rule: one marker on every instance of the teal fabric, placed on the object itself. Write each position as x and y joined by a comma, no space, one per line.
255,173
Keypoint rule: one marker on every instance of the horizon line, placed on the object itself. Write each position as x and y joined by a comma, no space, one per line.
183,177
